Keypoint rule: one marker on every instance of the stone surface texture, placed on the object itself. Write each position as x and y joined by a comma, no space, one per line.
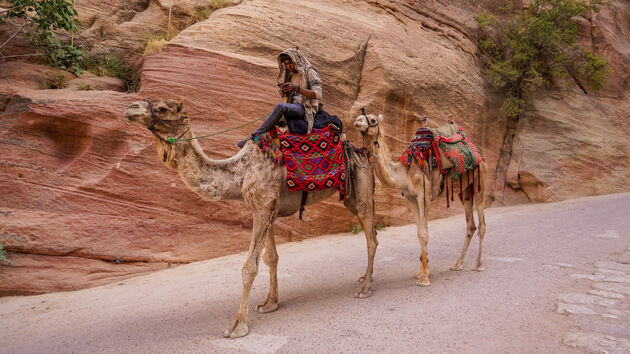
86,200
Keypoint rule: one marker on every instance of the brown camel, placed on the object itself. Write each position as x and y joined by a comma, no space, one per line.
252,177
419,187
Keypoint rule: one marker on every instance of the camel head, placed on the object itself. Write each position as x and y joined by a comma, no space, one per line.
164,119
367,124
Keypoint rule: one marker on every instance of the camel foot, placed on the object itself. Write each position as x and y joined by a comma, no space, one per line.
480,268
423,281
237,328
362,279
457,267
364,293
267,307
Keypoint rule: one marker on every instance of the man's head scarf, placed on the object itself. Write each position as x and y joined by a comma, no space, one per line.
302,65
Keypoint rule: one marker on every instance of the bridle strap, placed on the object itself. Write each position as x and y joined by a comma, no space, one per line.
171,122
378,129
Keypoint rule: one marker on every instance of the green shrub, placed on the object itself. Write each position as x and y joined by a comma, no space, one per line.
3,256
112,65
67,57
535,48
41,19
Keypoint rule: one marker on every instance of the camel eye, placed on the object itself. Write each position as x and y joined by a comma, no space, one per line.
162,109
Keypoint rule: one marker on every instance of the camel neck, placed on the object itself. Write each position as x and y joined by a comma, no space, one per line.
390,173
210,179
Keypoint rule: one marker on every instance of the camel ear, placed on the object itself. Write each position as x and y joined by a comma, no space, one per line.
380,118
180,105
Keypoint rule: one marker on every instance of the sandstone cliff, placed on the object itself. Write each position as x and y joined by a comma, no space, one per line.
86,200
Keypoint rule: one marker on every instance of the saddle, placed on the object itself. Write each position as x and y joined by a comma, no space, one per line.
314,161
453,151
450,150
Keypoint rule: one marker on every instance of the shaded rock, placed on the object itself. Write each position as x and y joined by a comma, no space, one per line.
86,83
15,76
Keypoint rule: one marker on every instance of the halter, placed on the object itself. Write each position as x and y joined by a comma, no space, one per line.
378,129
173,123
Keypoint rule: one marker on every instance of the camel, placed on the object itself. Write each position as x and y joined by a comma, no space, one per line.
252,177
419,187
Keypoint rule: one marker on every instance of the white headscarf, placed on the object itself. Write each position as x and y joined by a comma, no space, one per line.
302,65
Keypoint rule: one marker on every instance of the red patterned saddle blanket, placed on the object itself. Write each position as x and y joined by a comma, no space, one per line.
454,153
314,161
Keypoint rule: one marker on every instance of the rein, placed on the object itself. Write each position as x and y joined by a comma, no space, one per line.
174,123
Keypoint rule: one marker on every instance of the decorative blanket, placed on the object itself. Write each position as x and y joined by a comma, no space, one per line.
313,162
419,148
460,150
455,153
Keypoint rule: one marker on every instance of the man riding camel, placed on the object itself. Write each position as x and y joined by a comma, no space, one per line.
300,86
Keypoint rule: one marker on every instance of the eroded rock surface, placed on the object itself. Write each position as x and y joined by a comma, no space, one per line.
86,197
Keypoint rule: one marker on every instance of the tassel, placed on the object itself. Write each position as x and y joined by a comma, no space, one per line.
472,186
461,196
472,183
478,179
446,186
452,189
467,189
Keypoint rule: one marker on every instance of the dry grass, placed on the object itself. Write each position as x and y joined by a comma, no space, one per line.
154,44
205,11
55,81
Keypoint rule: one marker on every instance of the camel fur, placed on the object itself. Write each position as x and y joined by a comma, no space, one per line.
419,187
251,177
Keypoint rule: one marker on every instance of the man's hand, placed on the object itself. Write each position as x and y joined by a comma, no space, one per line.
288,87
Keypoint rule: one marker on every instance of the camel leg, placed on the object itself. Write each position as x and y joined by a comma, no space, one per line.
271,260
366,218
361,203
262,222
470,230
417,209
480,203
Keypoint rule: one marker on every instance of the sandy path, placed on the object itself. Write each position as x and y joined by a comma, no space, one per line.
535,255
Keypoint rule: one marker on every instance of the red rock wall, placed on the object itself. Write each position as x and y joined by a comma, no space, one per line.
87,201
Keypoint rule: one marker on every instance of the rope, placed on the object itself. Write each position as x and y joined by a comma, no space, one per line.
173,140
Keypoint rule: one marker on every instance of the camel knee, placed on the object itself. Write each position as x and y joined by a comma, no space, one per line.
270,258
482,231
471,230
372,245
361,209
249,273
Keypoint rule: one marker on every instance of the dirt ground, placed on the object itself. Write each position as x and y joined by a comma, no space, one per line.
557,280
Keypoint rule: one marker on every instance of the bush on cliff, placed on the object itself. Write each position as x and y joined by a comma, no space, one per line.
3,256
112,64
533,48
40,20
